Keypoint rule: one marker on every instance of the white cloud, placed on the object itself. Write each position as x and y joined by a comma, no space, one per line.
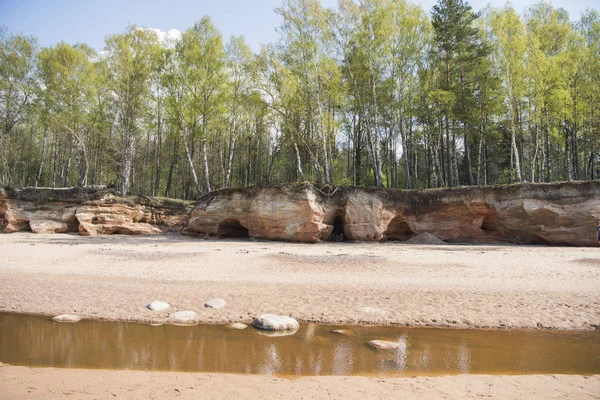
168,38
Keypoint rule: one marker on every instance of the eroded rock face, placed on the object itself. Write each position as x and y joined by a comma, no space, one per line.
276,213
553,214
87,211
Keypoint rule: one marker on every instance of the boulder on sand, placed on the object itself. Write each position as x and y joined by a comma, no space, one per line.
273,322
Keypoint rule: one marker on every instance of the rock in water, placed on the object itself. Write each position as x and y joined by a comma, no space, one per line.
272,322
157,305
343,332
215,303
237,325
384,344
184,317
67,318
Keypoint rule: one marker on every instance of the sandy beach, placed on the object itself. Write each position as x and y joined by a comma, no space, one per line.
451,286
51,383
443,286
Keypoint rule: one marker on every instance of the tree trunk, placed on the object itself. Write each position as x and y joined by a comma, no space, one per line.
448,152
568,168
39,173
230,160
513,128
468,155
127,161
172,168
191,162
207,188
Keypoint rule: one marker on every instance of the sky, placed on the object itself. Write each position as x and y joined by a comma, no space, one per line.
89,21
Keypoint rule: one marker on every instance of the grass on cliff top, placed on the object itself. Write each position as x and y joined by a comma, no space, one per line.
432,195
325,192
91,195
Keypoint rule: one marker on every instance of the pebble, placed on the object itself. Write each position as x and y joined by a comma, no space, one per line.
67,318
157,305
215,303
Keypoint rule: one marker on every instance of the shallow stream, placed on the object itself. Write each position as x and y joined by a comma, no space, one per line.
313,350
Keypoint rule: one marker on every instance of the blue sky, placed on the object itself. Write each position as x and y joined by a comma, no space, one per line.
89,21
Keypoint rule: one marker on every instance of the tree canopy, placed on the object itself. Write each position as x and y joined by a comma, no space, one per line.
374,92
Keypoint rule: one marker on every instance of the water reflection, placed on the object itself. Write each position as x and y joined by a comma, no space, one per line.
312,350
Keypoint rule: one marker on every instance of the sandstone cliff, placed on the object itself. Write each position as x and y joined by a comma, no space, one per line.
88,211
554,214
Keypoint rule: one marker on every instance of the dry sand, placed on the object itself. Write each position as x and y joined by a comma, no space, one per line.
457,286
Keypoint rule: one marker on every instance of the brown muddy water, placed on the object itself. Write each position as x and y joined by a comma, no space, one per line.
313,350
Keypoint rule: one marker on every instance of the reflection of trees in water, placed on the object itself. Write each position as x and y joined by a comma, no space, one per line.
271,363
422,357
343,359
464,357
37,341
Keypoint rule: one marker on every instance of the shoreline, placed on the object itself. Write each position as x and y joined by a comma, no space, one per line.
322,323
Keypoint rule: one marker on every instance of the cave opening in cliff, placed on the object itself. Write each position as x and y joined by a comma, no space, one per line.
488,224
232,228
338,234
398,229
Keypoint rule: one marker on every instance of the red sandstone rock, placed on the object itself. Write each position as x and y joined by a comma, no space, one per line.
555,214
272,213
88,211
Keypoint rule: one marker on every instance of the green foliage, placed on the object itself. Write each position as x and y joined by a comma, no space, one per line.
374,92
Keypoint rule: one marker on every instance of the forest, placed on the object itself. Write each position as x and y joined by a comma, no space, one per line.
372,93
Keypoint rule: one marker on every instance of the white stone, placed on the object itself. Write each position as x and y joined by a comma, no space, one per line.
158,305
272,322
184,317
67,318
237,325
384,344
215,303
343,332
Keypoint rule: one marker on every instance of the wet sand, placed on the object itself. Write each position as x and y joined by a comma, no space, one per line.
448,286
54,383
